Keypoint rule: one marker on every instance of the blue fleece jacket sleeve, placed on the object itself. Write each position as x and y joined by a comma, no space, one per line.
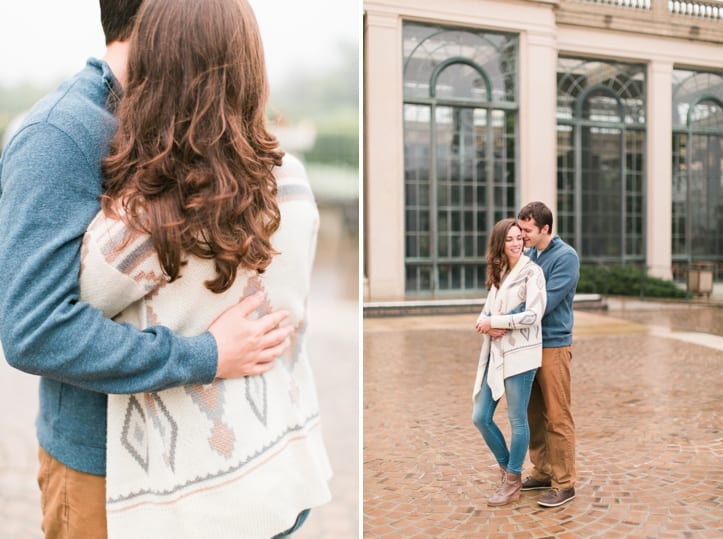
561,278
50,193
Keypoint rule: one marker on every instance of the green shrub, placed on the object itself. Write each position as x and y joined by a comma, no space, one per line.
619,280
335,148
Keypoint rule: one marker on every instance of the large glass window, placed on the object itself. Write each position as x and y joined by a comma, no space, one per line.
460,152
600,159
697,233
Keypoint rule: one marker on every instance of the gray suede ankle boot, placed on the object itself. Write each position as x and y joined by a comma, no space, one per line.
508,491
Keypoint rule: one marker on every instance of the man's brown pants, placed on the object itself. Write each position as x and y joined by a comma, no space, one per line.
73,502
549,413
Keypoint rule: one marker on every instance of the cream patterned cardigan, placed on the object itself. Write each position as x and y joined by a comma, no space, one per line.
518,307
235,458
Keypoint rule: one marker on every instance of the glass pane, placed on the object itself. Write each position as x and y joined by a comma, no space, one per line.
411,279
443,221
459,161
417,163
411,221
468,245
468,195
679,195
565,184
461,81
707,115
482,245
425,246
456,157
621,82
411,246
456,277
504,198
456,241
634,143
692,87
443,245
425,278
444,276
601,193
470,278
600,157
600,106
426,47
417,278
424,223
705,192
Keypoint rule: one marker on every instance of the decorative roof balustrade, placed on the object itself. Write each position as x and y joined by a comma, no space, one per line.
700,20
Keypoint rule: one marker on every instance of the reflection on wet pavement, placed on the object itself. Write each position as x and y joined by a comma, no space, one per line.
649,440
676,316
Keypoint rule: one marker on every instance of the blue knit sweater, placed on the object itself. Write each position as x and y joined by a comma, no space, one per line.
50,180
561,266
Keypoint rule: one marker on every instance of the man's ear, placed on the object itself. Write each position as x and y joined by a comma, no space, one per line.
545,229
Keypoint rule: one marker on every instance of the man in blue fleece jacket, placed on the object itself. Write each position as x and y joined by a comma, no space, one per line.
50,180
552,428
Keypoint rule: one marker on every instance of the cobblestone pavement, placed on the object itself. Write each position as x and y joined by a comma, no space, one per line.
649,434
333,346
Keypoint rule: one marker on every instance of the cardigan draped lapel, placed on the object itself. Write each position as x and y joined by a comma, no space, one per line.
495,371
517,306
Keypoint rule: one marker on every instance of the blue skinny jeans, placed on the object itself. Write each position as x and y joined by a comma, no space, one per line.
299,522
517,390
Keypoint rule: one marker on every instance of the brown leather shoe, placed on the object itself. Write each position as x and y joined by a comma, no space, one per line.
556,496
530,483
508,491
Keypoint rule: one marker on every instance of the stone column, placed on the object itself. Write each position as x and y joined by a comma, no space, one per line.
383,156
538,104
659,188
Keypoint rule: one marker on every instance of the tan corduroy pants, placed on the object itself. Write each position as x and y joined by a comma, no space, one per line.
552,427
73,502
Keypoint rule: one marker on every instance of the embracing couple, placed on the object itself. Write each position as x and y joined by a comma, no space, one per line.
526,355
156,254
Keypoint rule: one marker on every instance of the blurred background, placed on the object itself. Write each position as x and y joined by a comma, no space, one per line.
313,70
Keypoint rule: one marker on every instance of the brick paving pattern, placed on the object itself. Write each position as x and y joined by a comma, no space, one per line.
649,438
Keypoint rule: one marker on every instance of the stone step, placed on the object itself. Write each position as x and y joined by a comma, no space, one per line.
457,306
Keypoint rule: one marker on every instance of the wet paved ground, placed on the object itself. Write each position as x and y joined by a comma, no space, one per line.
334,346
674,315
648,413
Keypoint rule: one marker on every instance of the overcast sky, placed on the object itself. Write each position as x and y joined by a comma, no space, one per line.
48,40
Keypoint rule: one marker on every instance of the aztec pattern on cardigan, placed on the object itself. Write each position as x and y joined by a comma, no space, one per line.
518,307
234,458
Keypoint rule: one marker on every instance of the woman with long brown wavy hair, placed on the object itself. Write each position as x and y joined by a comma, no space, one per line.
202,208
510,323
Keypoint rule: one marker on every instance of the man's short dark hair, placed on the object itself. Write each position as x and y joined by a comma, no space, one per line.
117,17
538,212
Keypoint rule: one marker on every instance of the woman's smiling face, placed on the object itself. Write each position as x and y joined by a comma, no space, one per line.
514,244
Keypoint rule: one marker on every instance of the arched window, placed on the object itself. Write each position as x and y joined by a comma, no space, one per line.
697,233
600,159
460,152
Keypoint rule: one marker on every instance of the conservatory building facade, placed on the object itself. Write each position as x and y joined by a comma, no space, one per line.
609,111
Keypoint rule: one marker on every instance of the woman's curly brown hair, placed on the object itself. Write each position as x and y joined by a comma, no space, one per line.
191,162
496,259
